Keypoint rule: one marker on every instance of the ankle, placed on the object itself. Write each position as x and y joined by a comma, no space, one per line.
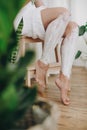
43,65
63,77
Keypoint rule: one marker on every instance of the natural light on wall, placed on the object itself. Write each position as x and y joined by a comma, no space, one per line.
79,11
78,8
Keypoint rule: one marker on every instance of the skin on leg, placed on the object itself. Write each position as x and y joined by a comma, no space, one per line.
69,28
52,14
41,70
63,81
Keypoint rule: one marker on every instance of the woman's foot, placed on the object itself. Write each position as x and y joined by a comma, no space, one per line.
41,70
62,83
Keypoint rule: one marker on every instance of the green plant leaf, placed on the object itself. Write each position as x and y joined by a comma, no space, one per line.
27,59
78,54
9,98
81,30
14,53
27,97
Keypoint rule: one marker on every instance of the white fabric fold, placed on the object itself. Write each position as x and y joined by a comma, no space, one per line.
53,35
68,52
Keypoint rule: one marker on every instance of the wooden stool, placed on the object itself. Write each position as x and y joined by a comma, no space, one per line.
53,67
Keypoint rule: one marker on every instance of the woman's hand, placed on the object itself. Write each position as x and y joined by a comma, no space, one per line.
38,3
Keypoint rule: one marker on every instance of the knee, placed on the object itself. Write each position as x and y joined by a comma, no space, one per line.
72,25
66,13
64,10
72,28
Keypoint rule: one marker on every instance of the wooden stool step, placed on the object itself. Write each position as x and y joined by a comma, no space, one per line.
31,71
53,68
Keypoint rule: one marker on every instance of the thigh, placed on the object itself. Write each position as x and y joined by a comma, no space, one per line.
50,14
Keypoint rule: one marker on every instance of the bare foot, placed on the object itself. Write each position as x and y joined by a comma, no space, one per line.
41,70
62,83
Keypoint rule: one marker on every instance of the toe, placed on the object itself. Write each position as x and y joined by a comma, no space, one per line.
65,99
69,89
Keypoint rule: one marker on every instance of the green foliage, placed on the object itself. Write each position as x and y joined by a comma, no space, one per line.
14,96
82,30
16,49
14,105
78,54
8,11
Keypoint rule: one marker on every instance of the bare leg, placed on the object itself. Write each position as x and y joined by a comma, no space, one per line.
68,50
54,32
50,14
41,70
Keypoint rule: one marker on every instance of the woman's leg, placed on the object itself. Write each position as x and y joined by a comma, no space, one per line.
68,52
55,21
50,14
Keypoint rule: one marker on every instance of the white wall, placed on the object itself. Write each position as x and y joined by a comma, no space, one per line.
56,3
79,11
79,15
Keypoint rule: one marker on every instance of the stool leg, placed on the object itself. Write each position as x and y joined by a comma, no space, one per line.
28,79
22,47
46,80
56,54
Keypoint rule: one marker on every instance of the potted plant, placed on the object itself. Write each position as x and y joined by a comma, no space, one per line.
19,107
15,98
